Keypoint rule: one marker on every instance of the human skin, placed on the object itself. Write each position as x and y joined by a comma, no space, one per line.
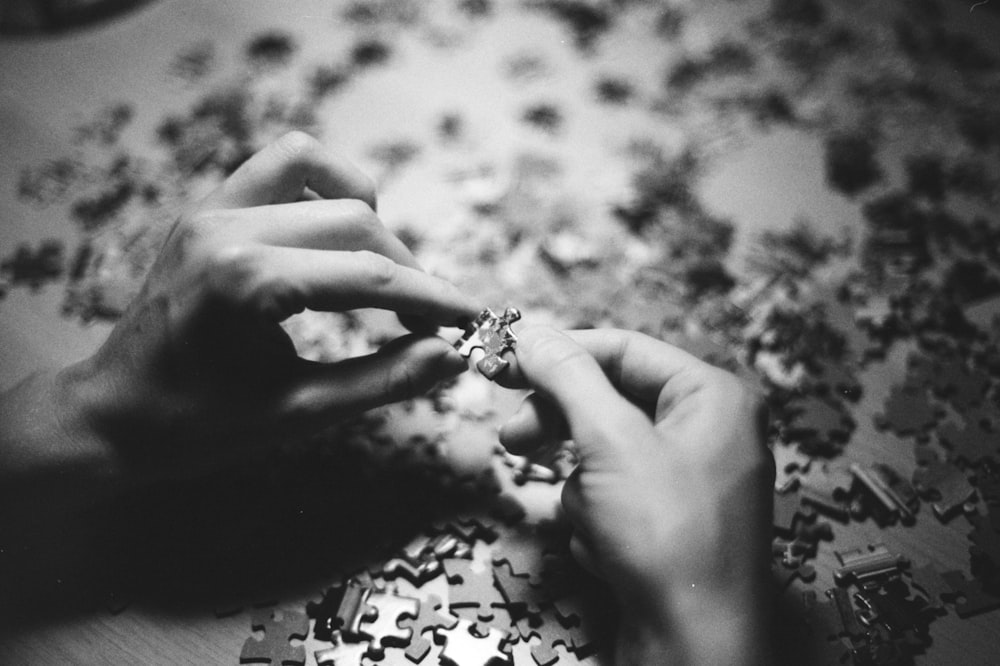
198,372
671,502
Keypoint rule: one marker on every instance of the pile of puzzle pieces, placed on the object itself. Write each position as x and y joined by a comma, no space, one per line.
945,402
449,597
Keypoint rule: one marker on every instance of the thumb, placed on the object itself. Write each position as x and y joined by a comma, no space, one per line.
605,425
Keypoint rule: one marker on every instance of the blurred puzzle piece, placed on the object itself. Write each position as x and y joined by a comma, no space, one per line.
969,596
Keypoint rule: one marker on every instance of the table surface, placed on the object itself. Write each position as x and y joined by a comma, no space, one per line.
47,85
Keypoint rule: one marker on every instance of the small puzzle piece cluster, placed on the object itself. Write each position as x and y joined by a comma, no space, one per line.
532,598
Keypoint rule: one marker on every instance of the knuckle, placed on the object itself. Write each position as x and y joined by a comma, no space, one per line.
237,274
362,218
225,267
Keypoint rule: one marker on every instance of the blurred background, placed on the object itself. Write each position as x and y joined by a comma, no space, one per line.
553,153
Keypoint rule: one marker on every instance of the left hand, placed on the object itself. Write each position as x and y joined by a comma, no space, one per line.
199,372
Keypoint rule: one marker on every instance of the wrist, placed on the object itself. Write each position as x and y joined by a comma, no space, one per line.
51,447
693,628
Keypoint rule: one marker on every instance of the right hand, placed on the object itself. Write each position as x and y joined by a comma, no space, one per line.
671,502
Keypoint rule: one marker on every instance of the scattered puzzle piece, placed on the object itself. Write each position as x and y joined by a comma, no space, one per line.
947,486
341,654
930,584
463,648
384,629
280,628
969,597
970,443
428,617
908,411
820,426
469,588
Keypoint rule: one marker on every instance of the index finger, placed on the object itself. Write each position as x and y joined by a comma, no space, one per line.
281,172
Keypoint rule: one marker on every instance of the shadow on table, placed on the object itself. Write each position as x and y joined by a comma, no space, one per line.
263,533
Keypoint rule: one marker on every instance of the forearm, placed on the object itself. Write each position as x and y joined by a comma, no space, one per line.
53,462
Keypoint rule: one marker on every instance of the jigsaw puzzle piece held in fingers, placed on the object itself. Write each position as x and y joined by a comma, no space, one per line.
491,334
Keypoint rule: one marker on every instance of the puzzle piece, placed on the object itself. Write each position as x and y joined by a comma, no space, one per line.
789,464
783,576
384,629
428,616
341,654
524,554
519,595
930,584
469,588
947,483
418,649
35,267
280,627
463,648
988,484
821,616
408,657
544,654
585,618
969,596
829,377
907,411
787,510
845,612
828,491
865,564
820,426
986,536
793,553
970,443
324,613
417,575
962,387
493,335
342,608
